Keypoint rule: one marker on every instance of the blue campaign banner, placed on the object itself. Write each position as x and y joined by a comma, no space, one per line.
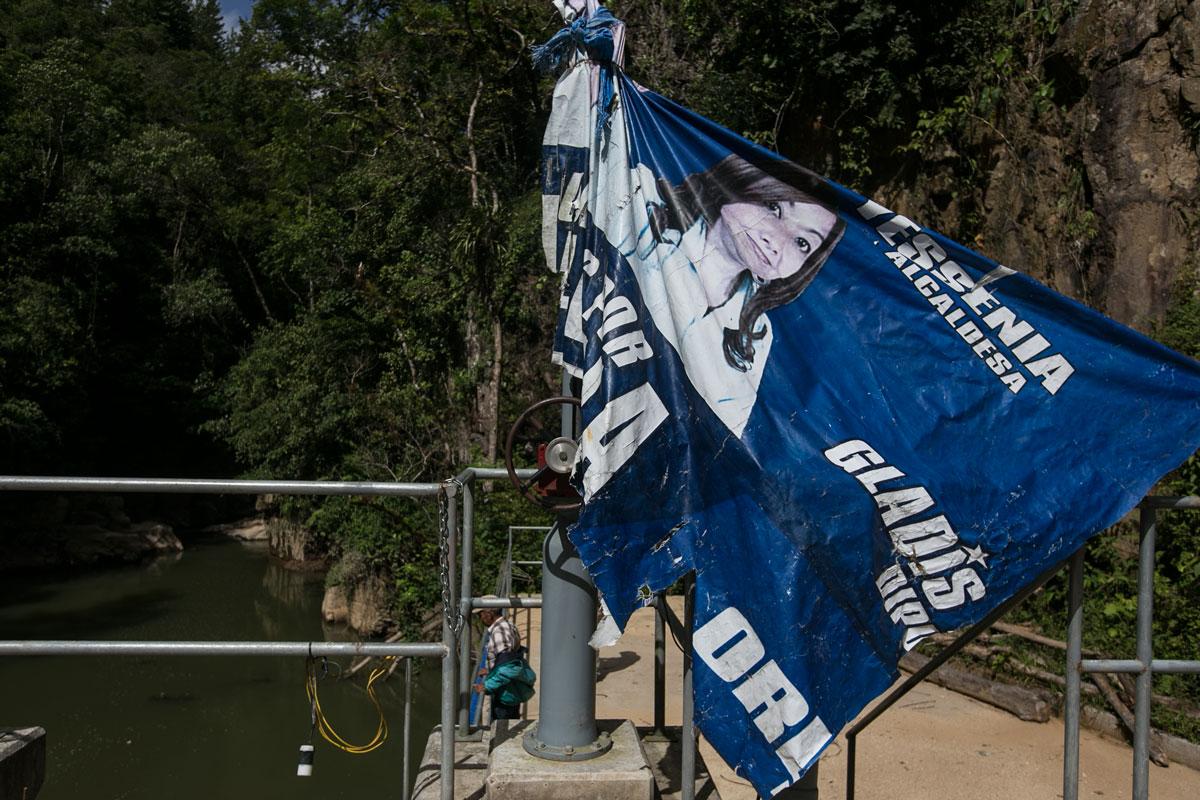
854,431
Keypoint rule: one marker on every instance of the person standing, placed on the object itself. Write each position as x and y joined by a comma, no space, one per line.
509,679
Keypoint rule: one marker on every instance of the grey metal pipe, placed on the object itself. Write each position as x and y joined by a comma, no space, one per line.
1145,654
1190,501
506,602
1074,679
566,727
492,474
465,593
687,744
293,649
406,792
660,673
851,748
568,419
1175,665
450,659
1135,667
567,700
34,483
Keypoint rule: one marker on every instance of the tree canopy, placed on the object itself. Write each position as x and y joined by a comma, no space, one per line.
309,248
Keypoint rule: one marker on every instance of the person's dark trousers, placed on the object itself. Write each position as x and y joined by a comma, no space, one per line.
501,711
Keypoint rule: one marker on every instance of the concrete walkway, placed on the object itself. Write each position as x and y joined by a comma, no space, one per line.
935,743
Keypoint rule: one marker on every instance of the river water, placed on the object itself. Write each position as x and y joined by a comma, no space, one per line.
185,727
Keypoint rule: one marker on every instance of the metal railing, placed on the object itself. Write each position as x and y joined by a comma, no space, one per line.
506,597
1144,666
447,650
468,602
455,648
665,616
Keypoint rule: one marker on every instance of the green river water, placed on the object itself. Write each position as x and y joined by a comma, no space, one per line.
185,728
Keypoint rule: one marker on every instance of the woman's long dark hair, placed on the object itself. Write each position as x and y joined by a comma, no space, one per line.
736,180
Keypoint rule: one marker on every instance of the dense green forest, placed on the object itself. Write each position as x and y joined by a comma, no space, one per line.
309,248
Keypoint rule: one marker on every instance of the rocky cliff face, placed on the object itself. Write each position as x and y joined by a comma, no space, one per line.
364,604
1090,185
294,545
1138,143
359,595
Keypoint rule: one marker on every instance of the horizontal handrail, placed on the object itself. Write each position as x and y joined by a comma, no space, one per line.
1164,501
109,648
491,474
506,602
1133,666
39,483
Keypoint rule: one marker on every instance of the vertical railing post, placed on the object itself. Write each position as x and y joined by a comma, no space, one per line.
687,760
851,755
660,672
1145,653
407,791
465,595
449,639
807,788
1074,676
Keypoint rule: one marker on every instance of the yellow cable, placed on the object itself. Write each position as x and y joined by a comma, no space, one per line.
326,729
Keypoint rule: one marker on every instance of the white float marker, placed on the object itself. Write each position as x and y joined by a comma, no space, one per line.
304,766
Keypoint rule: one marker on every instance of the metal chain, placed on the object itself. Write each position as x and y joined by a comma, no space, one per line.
453,615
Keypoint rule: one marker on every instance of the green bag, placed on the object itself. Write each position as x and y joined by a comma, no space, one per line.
510,683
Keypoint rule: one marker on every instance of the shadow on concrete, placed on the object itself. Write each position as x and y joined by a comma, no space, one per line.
627,658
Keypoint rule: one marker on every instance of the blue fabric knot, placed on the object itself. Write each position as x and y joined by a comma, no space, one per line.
593,35
590,33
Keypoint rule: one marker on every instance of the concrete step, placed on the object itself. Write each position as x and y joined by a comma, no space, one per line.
471,768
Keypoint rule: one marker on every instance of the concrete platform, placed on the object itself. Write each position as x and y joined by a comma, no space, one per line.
470,768
665,756
22,762
471,776
622,773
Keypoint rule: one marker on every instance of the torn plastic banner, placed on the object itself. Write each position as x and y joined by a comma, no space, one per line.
856,431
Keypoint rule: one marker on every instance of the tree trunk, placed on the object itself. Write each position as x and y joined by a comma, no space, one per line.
474,354
491,414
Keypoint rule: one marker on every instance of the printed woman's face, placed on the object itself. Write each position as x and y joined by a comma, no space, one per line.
773,239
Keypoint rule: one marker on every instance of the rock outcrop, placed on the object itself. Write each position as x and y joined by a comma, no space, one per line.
295,545
359,597
90,544
335,606
251,529
1089,182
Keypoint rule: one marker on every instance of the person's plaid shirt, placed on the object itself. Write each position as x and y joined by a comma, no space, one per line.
500,637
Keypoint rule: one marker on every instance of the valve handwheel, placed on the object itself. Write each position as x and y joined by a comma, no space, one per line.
550,486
